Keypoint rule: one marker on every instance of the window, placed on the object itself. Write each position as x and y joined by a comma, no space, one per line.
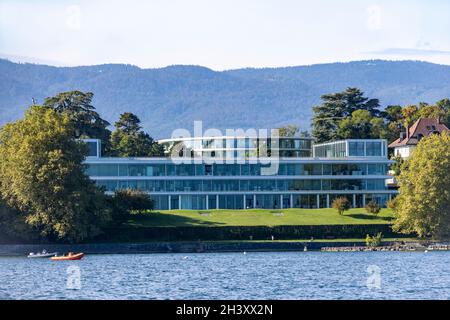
106,170
231,201
185,170
208,170
357,169
93,149
226,169
312,169
373,148
377,169
375,184
356,149
136,170
294,169
212,204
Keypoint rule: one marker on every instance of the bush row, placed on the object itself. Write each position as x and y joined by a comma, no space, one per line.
139,234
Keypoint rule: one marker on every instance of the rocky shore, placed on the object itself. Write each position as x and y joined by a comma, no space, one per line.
172,247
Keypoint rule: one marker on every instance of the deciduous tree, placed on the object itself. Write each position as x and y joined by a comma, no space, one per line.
42,176
288,131
423,205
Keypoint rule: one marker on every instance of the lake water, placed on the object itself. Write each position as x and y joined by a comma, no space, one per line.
277,275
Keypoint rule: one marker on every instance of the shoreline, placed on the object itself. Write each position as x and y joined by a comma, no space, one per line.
192,247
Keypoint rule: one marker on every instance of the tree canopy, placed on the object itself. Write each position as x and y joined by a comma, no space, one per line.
86,121
129,140
337,107
289,130
423,205
42,176
351,115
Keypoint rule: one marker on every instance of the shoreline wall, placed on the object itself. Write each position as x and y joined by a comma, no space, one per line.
171,247
240,233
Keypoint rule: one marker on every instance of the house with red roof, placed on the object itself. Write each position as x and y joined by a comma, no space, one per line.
409,139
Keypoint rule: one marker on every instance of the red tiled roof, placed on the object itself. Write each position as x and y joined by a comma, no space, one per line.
422,128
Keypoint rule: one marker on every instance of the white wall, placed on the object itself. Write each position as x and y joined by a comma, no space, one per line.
404,151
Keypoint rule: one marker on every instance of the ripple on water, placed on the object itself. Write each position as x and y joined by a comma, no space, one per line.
276,275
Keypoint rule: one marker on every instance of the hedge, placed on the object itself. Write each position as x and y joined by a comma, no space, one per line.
196,233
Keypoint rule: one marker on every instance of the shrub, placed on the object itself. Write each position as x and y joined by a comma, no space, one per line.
373,207
142,233
341,204
392,204
126,201
374,241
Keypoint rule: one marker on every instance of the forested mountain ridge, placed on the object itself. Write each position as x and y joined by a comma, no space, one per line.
173,97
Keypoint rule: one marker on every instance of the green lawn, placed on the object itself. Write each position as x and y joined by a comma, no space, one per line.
258,217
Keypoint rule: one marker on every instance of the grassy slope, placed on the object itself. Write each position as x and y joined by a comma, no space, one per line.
258,217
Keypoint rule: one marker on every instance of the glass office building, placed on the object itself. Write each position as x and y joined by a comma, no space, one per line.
307,175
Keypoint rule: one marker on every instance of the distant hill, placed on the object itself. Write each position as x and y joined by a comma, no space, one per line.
175,96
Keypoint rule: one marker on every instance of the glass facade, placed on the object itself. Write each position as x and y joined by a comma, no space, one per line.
242,185
284,169
351,148
238,147
356,169
331,150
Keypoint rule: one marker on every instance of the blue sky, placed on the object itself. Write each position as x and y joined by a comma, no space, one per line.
223,34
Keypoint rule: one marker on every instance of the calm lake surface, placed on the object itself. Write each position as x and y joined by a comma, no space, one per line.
278,275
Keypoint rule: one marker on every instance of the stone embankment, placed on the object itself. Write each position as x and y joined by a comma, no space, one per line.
393,247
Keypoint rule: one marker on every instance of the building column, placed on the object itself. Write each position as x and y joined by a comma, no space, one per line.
291,200
281,201
328,200
179,201
318,200
217,201
170,202
207,202
245,200
254,201
354,200
364,200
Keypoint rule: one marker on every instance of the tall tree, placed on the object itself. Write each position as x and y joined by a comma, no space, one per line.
42,176
336,107
362,125
289,130
394,122
129,140
78,107
13,227
357,125
423,205
410,115
444,106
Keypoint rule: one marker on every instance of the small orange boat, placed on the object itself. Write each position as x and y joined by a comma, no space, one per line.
69,256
